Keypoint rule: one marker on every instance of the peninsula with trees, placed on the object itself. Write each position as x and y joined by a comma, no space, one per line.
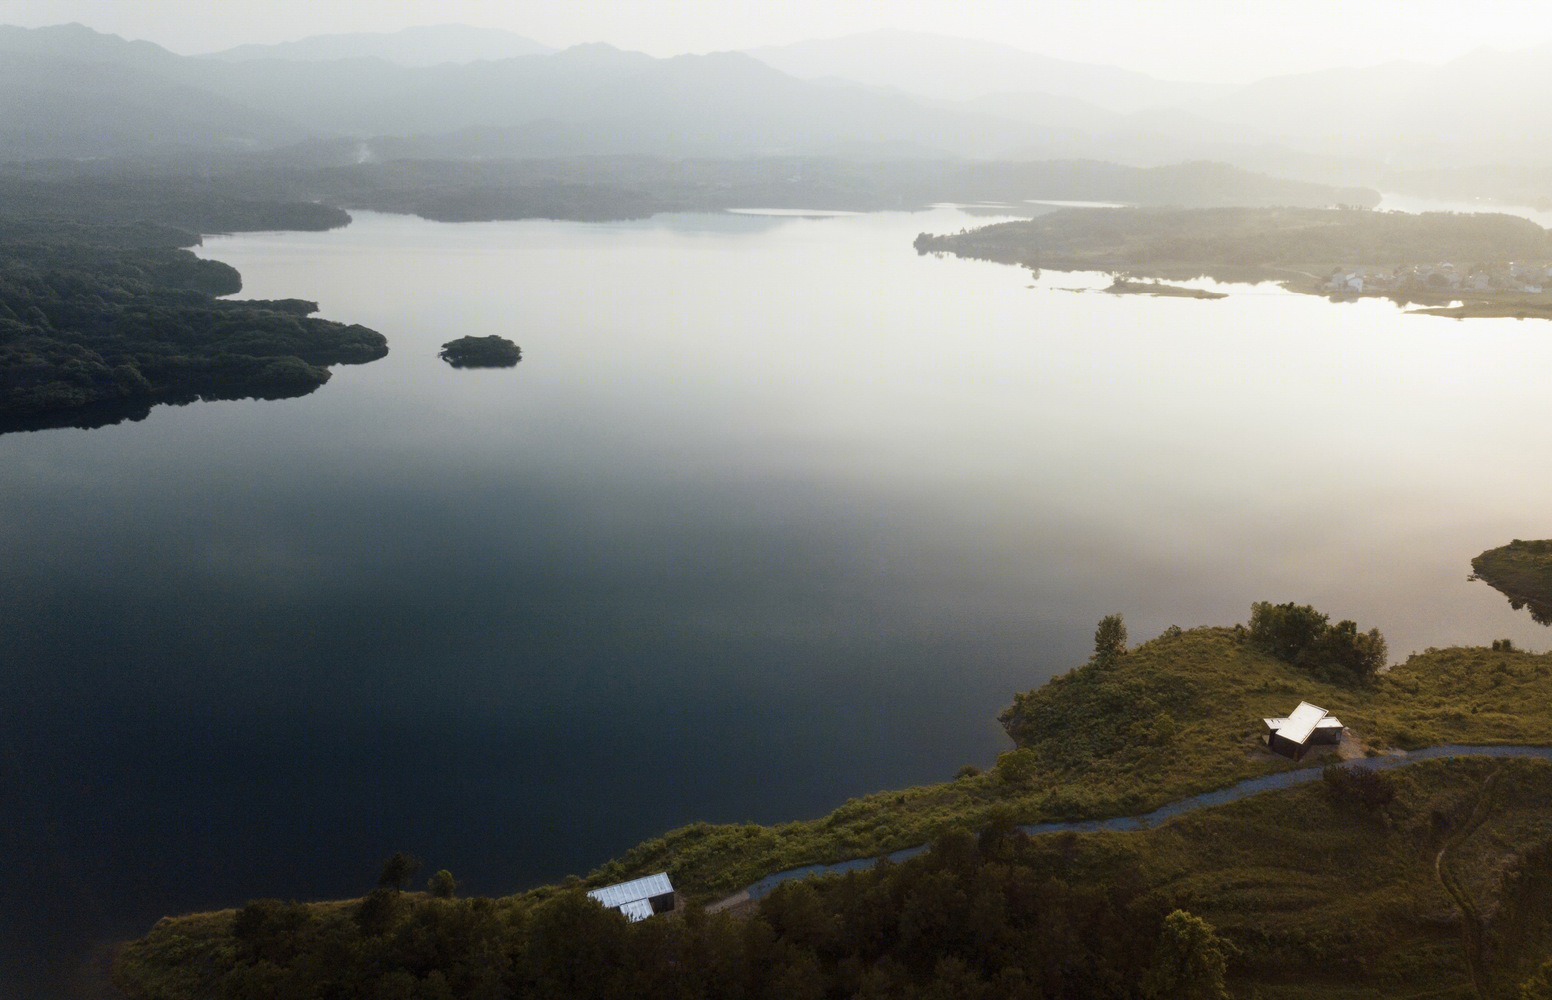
1373,880
105,312
1443,263
1522,572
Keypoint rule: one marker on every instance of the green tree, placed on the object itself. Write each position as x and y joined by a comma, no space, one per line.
1539,985
379,911
1298,634
1110,637
1285,630
442,885
1189,961
397,870
1342,653
576,948
1358,787
1017,767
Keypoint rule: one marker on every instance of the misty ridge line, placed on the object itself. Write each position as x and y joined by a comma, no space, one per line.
76,93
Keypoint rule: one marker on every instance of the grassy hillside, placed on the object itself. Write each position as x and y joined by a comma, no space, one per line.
1427,893
1178,715
1438,893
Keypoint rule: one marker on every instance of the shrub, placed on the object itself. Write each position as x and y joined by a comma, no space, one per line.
1285,630
1358,787
442,885
1300,635
1017,767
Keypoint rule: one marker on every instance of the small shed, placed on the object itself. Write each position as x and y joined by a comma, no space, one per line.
639,898
1306,726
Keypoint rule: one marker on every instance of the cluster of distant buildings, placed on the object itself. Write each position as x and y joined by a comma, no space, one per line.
1443,277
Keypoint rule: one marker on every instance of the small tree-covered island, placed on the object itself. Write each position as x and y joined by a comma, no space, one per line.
1351,869
1444,263
481,352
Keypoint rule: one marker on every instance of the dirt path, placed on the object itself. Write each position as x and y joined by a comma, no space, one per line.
1471,919
1250,786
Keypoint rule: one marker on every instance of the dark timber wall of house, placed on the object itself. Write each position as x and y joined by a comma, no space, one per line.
1286,747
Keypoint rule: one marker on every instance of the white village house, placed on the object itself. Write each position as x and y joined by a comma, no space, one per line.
1306,726
639,898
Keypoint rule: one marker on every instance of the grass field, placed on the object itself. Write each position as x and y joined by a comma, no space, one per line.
1440,892
1175,716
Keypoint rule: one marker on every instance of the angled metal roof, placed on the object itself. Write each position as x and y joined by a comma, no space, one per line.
1329,722
1301,722
621,894
636,909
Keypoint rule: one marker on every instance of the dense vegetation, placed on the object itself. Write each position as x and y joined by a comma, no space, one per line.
481,352
1294,246
604,187
1335,881
103,310
1435,887
1522,571
96,194
296,189
1123,734
1306,638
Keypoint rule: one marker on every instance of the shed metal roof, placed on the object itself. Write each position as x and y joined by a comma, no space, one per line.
1329,722
620,894
1302,722
636,909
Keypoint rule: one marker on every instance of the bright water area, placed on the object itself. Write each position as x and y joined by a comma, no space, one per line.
773,512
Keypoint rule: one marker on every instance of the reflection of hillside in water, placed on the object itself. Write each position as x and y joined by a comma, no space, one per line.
134,410
1540,611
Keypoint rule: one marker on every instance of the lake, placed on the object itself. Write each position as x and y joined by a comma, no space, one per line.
773,512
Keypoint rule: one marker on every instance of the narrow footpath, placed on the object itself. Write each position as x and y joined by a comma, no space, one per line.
1232,793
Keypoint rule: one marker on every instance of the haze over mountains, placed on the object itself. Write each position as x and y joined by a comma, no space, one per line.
454,92
958,69
430,45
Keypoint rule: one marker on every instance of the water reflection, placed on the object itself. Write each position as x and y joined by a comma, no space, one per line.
785,515
107,414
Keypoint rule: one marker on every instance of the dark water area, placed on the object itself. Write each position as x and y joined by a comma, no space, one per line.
773,512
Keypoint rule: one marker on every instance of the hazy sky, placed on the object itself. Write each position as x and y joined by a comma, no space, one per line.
1220,40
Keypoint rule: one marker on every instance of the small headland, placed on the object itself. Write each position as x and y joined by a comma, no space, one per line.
1522,572
1441,263
105,312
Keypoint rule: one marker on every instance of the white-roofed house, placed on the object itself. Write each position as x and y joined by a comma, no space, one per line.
1306,726
639,898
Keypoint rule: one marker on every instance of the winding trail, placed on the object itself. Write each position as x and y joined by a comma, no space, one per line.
1232,793
1472,931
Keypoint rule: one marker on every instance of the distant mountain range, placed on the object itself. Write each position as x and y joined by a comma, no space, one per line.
958,69
450,92
431,45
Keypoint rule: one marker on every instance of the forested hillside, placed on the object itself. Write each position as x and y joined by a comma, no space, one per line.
104,311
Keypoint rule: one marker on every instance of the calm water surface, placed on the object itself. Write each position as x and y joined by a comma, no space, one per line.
774,512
